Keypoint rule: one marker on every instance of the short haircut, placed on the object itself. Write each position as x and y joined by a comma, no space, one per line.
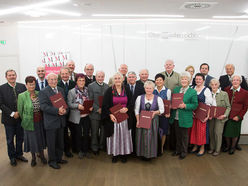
79,75
201,75
147,83
230,65
52,74
159,76
9,70
186,74
132,72
214,80
89,64
64,68
100,71
204,64
188,67
236,75
144,70
30,79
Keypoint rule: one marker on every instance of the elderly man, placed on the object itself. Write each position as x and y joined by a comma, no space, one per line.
123,70
204,69
71,65
10,117
41,82
54,121
67,85
89,70
172,78
143,74
95,90
225,80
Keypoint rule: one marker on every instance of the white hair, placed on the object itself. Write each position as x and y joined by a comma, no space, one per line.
100,71
52,74
118,74
70,61
232,65
89,64
149,83
169,60
236,75
144,70
214,80
186,74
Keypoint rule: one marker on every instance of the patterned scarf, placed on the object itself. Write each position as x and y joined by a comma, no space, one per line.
81,96
115,92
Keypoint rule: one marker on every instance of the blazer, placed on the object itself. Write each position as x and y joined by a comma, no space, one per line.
37,87
8,102
138,90
72,84
26,110
106,105
52,119
95,90
89,81
239,98
225,82
186,115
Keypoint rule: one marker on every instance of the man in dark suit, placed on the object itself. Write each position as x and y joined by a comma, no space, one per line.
71,65
143,74
54,121
67,85
136,90
10,117
41,82
90,78
204,69
225,80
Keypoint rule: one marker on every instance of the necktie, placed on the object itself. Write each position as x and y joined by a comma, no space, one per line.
132,89
233,95
14,90
55,90
66,88
42,85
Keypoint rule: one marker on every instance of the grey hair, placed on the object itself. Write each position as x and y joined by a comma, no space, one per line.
69,61
214,80
118,74
89,64
100,71
9,70
131,72
143,70
64,68
52,74
232,65
186,74
236,75
169,60
147,83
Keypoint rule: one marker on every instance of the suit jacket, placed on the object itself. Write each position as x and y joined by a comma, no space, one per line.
239,98
225,82
52,119
8,102
89,81
138,90
186,115
37,87
72,84
95,90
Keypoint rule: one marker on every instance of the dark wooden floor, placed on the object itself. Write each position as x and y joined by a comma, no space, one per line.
166,170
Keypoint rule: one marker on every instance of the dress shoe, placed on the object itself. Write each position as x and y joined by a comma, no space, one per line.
43,160
68,154
225,149
62,161
21,158
238,147
114,159
182,156
96,153
33,163
13,162
231,151
123,159
175,153
54,165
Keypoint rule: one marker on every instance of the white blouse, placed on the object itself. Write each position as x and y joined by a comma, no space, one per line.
208,96
137,104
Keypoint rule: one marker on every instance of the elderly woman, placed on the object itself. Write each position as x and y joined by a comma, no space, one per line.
199,133
119,139
182,117
238,100
29,110
164,93
147,139
216,125
191,70
75,100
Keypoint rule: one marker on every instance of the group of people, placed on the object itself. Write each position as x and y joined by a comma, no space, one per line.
29,115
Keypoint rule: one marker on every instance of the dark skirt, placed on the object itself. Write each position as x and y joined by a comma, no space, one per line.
232,129
34,141
164,124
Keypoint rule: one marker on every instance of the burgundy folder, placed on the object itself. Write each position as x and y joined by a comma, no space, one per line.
87,105
176,100
215,112
201,112
115,110
236,108
167,106
100,99
145,120
58,101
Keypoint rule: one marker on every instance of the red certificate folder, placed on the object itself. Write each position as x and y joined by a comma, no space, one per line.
177,99
167,106
236,108
201,112
115,110
58,101
215,112
145,119
100,99
87,105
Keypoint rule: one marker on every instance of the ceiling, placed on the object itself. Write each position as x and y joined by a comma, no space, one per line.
149,7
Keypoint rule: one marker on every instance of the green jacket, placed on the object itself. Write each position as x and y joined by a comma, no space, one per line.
186,115
25,109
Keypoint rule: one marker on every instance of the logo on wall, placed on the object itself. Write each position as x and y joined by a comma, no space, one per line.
174,35
2,42
53,61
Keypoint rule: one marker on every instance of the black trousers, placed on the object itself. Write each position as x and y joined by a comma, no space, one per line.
55,144
172,137
68,139
182,138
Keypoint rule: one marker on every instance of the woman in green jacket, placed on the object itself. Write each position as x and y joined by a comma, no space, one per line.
29,110
182,117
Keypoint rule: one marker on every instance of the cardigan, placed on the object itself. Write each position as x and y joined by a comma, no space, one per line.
185,115
171,81
25,109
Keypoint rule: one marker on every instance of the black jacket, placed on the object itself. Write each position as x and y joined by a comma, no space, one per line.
225,82
37,87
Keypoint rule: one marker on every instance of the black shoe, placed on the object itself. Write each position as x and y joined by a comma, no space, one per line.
33,163
43,160
68,154
146,159
238,147
114,159
62,161
21,158
225,149
175,153
54,165
123,159
13,162
96,153
231,151
182,156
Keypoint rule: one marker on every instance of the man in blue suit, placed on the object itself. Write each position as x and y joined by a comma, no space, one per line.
41,82
204,69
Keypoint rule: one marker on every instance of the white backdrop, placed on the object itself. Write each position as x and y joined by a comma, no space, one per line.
138,43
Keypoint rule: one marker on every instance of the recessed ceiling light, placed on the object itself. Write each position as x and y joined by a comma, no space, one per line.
136,15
